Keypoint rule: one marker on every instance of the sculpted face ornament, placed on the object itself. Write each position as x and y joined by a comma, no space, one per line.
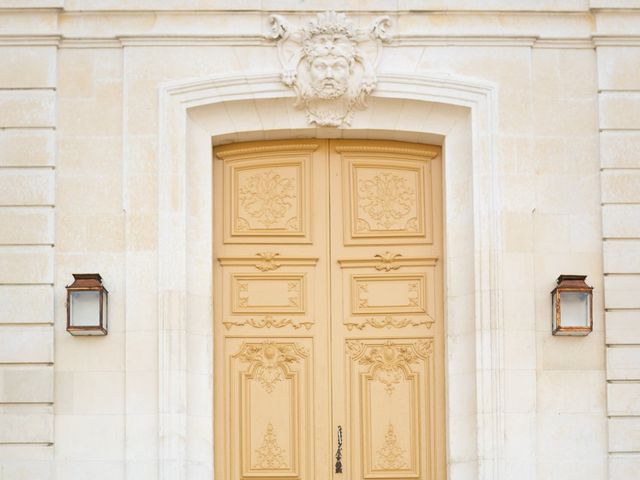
330,64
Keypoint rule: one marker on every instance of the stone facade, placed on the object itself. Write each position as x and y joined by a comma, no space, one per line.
107,113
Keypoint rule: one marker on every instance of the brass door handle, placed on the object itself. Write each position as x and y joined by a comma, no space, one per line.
339,451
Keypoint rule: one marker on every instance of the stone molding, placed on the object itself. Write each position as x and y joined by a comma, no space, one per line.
176,99
399,40
524,6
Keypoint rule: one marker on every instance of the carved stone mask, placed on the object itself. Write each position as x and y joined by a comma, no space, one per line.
329,76
325,64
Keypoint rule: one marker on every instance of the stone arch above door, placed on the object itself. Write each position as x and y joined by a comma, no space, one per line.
459,113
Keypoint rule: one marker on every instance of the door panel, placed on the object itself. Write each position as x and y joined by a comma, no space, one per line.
272,404
390,390
387,316
268,192
387,193
270,383
328,312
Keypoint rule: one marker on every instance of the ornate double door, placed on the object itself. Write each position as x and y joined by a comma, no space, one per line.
328,311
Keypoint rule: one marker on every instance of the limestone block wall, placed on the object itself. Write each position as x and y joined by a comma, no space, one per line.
619,99
91,372
79,122
28,92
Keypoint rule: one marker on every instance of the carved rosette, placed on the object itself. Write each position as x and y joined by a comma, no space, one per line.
330,64
390,362
271,362
267,261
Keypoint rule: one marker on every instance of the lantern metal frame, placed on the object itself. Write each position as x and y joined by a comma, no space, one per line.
88,282
571,284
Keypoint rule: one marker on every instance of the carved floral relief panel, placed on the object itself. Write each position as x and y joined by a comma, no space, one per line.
267,195
268,406
391,388
268,199
388,200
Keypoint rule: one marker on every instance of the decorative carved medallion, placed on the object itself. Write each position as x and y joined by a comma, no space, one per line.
268,321
390,455
270,361
386,199
267,261
387,261
389,362
330,64
388,322
267,197
270,455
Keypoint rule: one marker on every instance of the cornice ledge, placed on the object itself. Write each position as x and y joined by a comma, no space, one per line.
616,40
90,42
30,40
493,41
464,40
120,41
565,42
200,40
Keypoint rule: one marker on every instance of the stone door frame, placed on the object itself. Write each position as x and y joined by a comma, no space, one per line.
461,113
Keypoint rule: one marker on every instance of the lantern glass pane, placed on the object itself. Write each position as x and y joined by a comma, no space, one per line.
85,309
574,309
105,313
554,299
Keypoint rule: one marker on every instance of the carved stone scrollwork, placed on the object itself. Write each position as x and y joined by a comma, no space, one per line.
270,361
330,64
389,362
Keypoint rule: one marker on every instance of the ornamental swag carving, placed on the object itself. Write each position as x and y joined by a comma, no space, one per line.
330,64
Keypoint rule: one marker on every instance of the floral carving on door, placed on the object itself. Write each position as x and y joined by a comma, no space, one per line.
390,362
386,199
271,362
390,455
267,197
270,455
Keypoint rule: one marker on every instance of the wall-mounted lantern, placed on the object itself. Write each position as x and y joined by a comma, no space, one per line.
572,310
87,301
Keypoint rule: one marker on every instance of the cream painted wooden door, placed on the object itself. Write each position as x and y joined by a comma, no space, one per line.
328,310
